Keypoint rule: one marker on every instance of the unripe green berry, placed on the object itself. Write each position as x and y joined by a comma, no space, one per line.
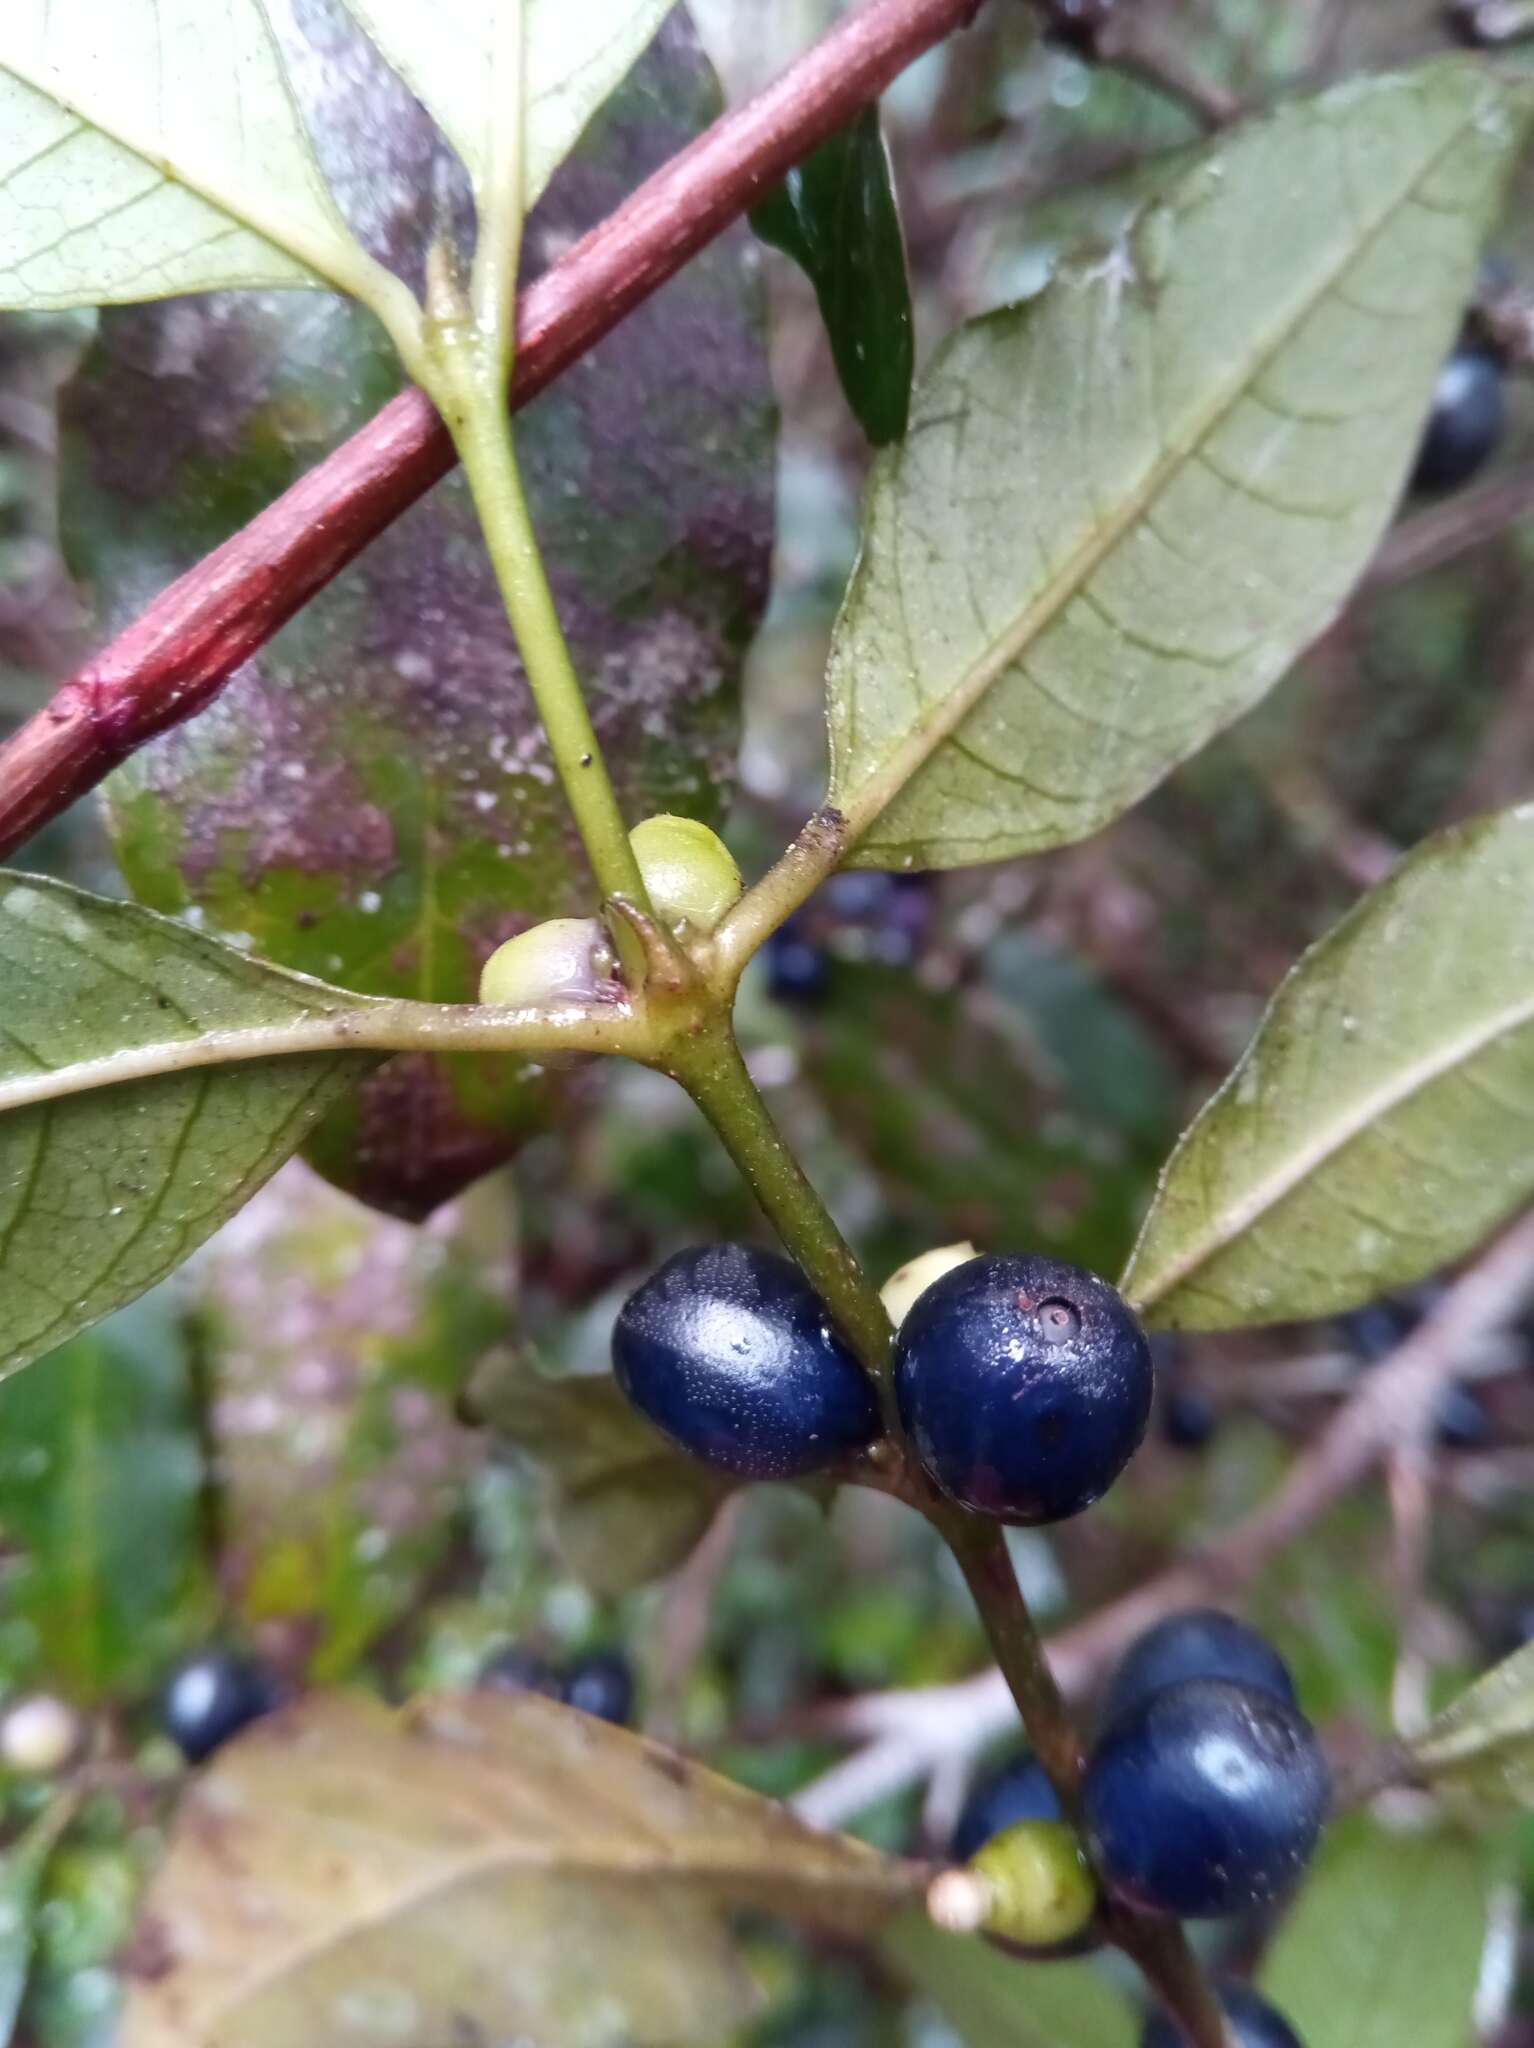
563,961
917,1275
689,873
1030,1886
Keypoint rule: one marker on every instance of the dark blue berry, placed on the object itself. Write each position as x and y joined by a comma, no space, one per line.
1201,1642
1189,1420
1466,421
211,1698
729,1354
797,969
1375,1330
1017,1790
1205,1799
1024,1384
514,1669
1461,1421
601,1684
1253,2022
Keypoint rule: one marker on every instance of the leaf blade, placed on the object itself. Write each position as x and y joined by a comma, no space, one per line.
576,53
1158,439
1422,1001
150,150
412,1853
1384,1943
104,1189
836,216
1479,1751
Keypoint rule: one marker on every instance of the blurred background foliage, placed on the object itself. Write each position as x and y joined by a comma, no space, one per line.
329,1441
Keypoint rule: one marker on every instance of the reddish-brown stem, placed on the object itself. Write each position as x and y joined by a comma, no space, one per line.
175,659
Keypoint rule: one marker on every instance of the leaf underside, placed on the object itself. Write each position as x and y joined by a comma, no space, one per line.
152,147
1382,1121
103,1189
1122,509
490,1867
1479,1752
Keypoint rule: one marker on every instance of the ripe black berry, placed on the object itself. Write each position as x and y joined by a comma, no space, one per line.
1461,1421
1205,1798
1465,423
797,969
1024,1385
1253,2022
514,1669
211,1698
1188,1420
1201,1642
728,1352
1017,1790
601,1684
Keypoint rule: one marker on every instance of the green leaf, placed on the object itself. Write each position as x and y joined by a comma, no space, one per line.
100,1476
490,1867
627,1507
120,1148
1123,509
994,2001
454,59
1381,1122
835,215
1479,1751
1384,1943
152,147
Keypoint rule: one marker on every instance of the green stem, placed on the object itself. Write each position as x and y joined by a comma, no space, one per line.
980,1547
710,1068
482,434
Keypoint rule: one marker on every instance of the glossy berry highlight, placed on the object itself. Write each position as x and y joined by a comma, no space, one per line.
729,1353
1018,1790
1465,424
1252,2021
1205,1799
211,1698
1024,1384
1201,1642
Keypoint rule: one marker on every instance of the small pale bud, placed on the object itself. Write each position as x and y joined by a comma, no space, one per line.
689,872
899,1292
39,1735
564,961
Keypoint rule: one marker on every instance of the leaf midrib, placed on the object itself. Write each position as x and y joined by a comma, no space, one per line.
863,807
1412,1080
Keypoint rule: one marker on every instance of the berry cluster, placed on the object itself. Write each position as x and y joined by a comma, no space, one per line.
1023,1386
600,1684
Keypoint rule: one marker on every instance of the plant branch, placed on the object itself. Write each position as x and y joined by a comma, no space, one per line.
174,660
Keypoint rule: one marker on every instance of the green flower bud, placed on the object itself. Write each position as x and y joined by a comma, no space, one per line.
688,871
564,961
